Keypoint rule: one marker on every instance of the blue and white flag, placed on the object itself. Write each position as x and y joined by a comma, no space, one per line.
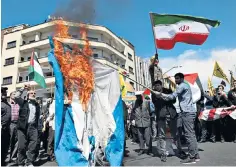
79,134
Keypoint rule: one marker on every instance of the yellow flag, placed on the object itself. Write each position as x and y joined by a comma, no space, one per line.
218,72
122,85
210,86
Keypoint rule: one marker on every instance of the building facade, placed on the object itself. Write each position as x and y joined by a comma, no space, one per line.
142,71
17,48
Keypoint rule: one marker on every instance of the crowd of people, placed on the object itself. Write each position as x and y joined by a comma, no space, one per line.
150,118
27,127
28,124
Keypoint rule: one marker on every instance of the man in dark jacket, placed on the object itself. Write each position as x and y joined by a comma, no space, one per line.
232,99
204,124
5,125
220,100
141,115
27,126
165,110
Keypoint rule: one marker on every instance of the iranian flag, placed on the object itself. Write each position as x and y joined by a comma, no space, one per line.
36,72
195,84
169,29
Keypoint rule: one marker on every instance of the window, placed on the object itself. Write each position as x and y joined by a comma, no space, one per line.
131,83
92,39
74,36
29,58
9,61
11,44
95,55
22,59
130,56
131,70
20,79
7,81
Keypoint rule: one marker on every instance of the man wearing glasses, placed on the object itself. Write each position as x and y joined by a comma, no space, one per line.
27,127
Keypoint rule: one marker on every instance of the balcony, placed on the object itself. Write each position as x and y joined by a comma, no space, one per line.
41,44
48,80
26,63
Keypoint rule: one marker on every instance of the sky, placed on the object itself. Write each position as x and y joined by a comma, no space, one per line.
130,20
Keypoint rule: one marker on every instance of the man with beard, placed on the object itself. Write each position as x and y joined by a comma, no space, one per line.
186,117
165,112
141,116
232,99
27,126
5,125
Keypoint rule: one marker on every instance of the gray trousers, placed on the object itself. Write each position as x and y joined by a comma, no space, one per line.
162,127
186,120
13,140
144,133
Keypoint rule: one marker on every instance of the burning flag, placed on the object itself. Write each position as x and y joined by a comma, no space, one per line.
80,129
169,29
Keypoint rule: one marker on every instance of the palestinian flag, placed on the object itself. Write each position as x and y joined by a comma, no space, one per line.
147,93
195,84
169,29
36,72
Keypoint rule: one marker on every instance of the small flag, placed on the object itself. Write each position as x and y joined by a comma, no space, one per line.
169,29
36,72
218,72
210,86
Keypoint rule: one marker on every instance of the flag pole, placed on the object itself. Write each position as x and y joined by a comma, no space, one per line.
150,14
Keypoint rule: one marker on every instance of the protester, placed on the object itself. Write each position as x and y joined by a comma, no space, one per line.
141,117
163,110
220,100
186,117
5,125
51,122
27,126
153,121
208,104
13,127
232,99
154,70
40,129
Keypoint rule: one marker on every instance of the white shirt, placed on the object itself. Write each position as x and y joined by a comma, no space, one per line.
51,117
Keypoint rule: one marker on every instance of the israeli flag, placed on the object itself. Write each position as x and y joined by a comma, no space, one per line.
80,135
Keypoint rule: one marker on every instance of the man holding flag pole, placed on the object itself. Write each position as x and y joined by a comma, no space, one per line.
168,29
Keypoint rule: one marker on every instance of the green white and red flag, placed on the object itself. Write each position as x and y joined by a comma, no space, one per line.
169,29
36,72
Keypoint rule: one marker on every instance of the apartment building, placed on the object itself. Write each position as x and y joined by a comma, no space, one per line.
18,45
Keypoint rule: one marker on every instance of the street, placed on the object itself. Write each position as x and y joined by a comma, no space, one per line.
212,154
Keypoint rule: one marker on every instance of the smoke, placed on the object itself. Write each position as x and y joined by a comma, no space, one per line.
90,11
77,10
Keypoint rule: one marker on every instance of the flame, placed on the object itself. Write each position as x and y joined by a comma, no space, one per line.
75,65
